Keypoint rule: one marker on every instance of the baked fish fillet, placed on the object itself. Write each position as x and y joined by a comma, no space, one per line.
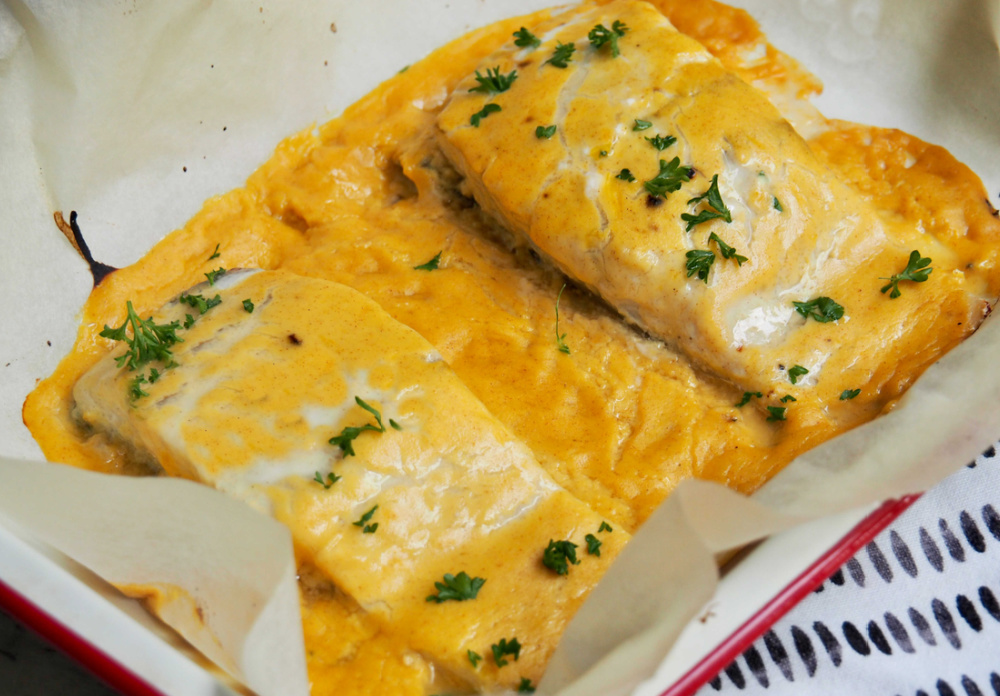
250,409
613,193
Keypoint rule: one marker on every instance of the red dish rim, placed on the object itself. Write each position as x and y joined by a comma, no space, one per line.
811,578
116,675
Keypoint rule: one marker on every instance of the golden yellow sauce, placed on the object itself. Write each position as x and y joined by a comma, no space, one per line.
620,420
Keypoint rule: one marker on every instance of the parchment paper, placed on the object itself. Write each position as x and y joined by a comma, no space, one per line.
134,112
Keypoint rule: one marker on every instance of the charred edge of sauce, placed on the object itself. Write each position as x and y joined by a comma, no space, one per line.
294,340
99,271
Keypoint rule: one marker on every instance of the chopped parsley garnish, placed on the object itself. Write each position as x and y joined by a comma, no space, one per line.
625,175
154,374
524,39
475,658
494,82
557,556
345,441
545,132
365,519
727,251
135,387
603,153
746,398
796,371
525,686
786,398
777,205
560,338
641,125
661,142
670,178
601,35
248,305
503,648
215,254
605,527
822,309
199,302
562,55
431,265
483,113
188,321
699,262
331,477
149,341
849,394
593,545
916,270
716,207
403,69
777,413
457,588
215,275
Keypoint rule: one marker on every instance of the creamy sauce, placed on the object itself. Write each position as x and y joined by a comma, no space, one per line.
620,420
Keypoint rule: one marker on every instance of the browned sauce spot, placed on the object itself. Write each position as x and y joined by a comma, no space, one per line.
653,201
294,340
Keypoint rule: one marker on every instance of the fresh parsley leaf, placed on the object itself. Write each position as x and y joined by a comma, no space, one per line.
525,686
215,275
716,207
475,658
365,519
786,398
483,113
154,374
699,261
661,142
601,35
605,527
916,270
403,69
777,205
135,390
248,306
149,341
560,338
822,309
431,265
849,394
199,302
215,254
796,371
372,410
345,441
727,251
545,132
524,39
395,425
558,554
777,413
370,528
562,55
188,321
504,648
494,82
641,125
625,175
456,587
746,398
593,545
331,477
670,178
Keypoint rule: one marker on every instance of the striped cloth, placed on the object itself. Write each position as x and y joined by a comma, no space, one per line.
915,613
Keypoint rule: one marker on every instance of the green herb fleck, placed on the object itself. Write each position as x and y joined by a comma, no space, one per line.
248,306
822,309
601,35
558,554
786,398
525,686
431,265
545,132
215,254
603,153
625,175
494,82
560,338
699,262
154,375
777,413
716,207
457,588
849,394
777,205
149,341
215,275
331,477
483,113
746,398
641,125
916,270
188,321
562,55
403,69
796,371
524,39
593,545
605,527
503,648
135,390
345,441
661,142
365,519
670,178
727,251
199,302
475,658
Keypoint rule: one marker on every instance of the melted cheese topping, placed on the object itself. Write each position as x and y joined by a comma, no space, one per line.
619,421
